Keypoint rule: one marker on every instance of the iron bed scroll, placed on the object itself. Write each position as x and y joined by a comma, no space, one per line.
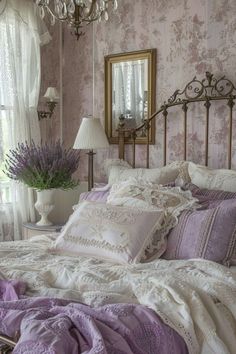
207,90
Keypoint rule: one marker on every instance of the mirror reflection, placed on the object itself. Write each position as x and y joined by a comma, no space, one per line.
129,92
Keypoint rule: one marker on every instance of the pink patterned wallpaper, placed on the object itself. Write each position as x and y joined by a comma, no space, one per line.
191,37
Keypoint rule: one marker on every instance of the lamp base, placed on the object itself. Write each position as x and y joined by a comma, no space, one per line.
90,169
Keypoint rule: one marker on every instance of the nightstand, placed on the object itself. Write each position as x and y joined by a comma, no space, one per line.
30,230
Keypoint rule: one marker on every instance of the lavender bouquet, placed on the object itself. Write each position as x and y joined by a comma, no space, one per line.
43,166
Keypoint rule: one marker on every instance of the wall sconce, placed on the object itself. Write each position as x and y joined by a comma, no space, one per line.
52,97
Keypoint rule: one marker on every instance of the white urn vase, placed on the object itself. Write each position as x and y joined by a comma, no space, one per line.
44,205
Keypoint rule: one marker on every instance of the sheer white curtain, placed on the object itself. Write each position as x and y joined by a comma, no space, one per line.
21,34
128,90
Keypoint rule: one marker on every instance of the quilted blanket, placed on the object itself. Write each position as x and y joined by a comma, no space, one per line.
53,326
194,297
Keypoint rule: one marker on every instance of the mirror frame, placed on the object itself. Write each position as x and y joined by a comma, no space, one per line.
150,55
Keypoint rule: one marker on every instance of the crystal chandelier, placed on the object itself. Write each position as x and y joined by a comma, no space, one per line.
77,13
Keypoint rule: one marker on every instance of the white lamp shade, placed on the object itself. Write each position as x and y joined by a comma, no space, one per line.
91,135
51,94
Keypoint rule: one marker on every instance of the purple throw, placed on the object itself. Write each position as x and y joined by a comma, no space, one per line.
55,326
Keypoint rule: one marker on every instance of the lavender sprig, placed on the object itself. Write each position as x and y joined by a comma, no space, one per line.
43,166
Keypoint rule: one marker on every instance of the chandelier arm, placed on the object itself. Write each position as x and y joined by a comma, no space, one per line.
65,18
77,16
91,8
81,15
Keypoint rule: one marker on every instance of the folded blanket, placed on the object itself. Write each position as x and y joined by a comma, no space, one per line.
57,326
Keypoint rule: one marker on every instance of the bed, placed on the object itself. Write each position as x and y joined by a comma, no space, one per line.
182,288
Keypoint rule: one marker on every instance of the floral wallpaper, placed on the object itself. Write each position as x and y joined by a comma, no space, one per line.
191,37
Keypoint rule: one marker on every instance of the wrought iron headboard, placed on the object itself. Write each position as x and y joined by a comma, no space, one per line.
207,90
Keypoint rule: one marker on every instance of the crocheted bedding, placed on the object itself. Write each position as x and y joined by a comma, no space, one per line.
194,297
48,325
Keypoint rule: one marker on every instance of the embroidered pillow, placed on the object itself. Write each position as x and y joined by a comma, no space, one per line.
149,196
161,175
208,234
146,195
205,177
115,233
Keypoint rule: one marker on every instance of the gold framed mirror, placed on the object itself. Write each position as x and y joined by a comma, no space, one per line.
130,91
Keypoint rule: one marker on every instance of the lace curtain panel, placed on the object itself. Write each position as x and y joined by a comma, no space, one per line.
21,34
128,90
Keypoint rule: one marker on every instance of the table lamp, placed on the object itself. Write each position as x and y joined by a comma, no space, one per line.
90,136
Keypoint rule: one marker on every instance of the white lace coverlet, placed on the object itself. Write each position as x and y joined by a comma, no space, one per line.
195,297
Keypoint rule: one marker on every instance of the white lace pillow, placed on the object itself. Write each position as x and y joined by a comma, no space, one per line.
161,175
115,233
220,179
109,163
136,193
150,196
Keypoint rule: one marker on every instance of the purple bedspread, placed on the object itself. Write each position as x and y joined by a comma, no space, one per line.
53,326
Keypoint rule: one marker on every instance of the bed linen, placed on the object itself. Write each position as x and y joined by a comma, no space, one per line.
58,326
162,175
205,195
139,194
94,196
205,177
198,233
118,234
194,297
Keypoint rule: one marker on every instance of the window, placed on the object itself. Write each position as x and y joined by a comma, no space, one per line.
6,104
20,39
4,147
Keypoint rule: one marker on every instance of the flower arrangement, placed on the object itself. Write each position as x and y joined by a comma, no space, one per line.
43,166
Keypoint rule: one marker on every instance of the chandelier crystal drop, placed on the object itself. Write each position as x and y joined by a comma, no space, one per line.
77,13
